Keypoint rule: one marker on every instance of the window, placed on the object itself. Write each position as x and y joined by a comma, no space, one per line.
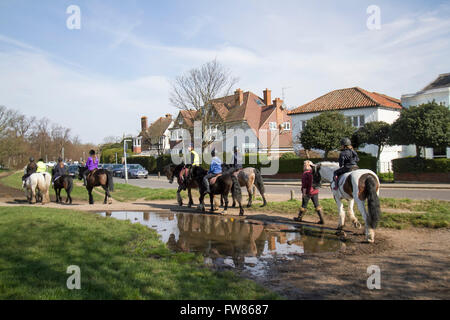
356,121
303,125
272,125
287,126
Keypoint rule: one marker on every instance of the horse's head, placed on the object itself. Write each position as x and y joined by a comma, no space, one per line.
317,178
225,167
81,171
326,170
168,171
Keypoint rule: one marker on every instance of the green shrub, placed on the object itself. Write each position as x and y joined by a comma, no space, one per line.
415,165
148,163
289,155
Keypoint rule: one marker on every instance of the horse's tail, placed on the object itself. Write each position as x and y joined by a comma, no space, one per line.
259,182
236,189
373,202
110,181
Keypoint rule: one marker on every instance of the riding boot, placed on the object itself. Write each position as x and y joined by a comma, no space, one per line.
301,213
336,183
207,188
319,211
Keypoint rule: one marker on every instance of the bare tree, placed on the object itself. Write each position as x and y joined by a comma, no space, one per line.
194,90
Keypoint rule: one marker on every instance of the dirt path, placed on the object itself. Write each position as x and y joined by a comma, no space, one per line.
414,263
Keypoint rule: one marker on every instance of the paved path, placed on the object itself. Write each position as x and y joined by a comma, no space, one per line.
281,191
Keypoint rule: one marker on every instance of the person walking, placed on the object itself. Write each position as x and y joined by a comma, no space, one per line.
309,192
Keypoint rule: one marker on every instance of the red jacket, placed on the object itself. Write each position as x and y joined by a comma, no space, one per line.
307,188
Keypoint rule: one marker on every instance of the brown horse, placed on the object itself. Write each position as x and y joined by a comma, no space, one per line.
220,185
248,178
96,178
181,172
64,182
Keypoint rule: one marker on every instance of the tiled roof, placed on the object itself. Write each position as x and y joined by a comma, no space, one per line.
348,99
157,128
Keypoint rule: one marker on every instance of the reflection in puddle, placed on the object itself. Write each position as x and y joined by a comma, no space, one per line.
243,244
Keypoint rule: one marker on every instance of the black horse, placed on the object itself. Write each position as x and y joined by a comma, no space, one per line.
63,182
221,185
182,173
96,178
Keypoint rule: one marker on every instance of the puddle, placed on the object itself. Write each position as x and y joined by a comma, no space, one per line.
227,242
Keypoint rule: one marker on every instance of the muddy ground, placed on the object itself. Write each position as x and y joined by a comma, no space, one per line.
414,263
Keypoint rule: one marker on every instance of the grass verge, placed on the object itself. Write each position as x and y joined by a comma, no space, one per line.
117,259
417,213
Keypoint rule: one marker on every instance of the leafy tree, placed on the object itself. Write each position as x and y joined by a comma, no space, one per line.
426,126
377,133
325,132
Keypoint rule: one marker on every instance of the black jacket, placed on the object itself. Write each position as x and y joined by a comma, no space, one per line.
31,168
348,158
58,171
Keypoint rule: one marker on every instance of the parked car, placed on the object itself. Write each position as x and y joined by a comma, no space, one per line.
108,166
136,171
73,170
117,170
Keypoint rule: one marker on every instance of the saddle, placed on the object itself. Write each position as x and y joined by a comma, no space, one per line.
214,179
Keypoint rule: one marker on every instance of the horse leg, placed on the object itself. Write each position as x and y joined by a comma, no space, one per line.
225,207
191,202
340,206
91,198
179,198
211,198
250,196
106,194
369,232
355,221
201,201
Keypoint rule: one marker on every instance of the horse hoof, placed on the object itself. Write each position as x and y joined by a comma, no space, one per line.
249,206
341,233
357,225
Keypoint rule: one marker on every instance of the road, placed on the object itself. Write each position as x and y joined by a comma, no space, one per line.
283,192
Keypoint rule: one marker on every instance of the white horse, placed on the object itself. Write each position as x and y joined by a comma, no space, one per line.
38,184
358,185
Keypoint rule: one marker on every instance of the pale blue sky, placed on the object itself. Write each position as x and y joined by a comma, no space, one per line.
119,64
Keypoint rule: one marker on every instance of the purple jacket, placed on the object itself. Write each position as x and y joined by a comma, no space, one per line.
91,165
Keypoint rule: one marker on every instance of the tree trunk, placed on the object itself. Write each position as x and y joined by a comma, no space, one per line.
418,152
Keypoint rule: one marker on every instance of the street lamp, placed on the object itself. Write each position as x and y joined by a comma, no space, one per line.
125,157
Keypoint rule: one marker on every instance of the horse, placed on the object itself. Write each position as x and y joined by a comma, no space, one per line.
220,185
248,177
96,178
63,182
180,172
40,182
358,185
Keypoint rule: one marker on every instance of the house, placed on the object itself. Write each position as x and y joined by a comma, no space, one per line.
154,140
438,90
359,106
254,124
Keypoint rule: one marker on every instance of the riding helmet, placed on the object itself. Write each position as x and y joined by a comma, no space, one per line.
92,152
60,159
346,142
31,159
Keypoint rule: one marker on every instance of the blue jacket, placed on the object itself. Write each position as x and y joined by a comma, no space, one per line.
216,166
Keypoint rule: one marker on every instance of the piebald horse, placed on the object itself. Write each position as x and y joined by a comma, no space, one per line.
39,182
358,185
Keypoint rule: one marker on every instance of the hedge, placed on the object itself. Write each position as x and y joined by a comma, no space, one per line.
415,165
288,164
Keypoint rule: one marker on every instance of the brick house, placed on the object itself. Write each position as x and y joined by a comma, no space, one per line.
154,140
254,124
359,106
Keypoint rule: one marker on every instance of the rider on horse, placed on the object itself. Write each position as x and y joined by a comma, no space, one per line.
41,167
91,164
31,168
59,170
185,174
348,160
214,169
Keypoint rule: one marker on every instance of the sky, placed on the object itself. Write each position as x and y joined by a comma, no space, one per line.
100,79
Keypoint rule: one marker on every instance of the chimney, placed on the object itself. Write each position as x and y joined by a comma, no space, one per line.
144,124
238,97
278,104
267,97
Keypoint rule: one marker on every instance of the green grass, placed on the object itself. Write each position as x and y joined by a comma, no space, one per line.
417,213
126,192
118,260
